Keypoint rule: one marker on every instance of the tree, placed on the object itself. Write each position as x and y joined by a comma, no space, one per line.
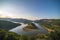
54,36
24,37
32,38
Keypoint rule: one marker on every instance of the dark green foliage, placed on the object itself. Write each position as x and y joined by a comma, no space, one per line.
2,35
32,38
54,36
7,25
6,35
24,37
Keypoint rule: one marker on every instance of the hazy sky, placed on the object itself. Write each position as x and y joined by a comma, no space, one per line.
30,9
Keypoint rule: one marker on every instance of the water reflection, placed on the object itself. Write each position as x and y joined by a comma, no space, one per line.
19,29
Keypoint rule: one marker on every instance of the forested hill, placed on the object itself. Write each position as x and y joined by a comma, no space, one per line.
7,25
20,20
53,24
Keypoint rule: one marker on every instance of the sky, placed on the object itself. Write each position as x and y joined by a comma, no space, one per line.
30,9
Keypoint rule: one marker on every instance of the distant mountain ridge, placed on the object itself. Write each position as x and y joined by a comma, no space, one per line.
20,20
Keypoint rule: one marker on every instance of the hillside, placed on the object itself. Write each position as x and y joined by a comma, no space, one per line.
16,20
50,24
7,25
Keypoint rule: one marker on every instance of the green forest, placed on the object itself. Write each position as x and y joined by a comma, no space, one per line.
7,25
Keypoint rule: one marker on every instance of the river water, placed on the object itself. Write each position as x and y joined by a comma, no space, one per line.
19,29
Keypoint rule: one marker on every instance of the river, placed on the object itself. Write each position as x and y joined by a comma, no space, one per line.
19,30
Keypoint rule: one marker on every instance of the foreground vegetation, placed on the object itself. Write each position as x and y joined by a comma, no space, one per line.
6,35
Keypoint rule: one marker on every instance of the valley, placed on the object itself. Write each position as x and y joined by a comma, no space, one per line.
38,29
